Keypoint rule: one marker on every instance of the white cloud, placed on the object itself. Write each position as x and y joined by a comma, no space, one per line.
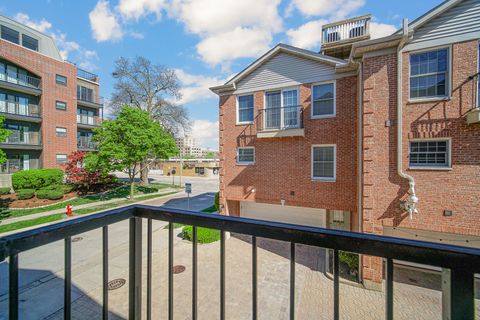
67,48
238,43
218,16
229,29
135,9
338,9
42,25
104,23
195,87
205,133
308,35
378,30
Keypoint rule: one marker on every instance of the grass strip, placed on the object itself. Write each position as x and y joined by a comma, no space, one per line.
119,193
59,216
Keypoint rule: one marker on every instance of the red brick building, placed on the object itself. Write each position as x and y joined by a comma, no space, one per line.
49,104
341,139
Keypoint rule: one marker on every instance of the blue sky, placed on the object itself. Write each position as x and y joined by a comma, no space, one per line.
206,41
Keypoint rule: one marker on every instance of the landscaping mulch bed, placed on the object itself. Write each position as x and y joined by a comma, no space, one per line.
11,201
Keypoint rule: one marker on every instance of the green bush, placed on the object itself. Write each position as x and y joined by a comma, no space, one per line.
4,191
350,259
67,188
37,179
25,194
51,194
204,235
217,201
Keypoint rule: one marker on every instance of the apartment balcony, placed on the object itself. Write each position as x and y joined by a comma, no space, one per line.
15,165
87,122
26,140
21,112
280,122
20,82
90,103
85,144
473,116
211,290
337,37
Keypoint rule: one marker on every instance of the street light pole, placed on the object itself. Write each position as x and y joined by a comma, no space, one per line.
181,165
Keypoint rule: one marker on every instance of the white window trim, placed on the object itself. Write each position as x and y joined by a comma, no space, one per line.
294,88
326,179
61,132
448,95
245,163
237,109
61,154
325,116
432,168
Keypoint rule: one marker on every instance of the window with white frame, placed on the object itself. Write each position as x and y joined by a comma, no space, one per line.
323,100
429,74
61,132
245,109
246,155
323,162
61,158
430,153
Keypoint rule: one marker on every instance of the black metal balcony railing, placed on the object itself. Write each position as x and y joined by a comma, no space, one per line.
475,90
462,262
24,137
85,143
100,100
31,110
280,118
21,79
87,75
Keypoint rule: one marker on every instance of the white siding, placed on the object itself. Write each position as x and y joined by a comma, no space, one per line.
285,70
456,24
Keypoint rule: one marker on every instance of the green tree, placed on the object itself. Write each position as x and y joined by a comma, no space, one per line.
4,134
126,142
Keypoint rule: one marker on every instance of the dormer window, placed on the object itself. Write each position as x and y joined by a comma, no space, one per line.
29,42
10,35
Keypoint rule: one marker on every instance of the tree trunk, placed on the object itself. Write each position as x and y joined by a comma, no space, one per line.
144,174
132,188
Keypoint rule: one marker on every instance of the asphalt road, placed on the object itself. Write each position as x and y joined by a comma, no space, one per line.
41,269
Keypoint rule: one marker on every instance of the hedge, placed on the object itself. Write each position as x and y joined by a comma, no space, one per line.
25,194
4,191
51,194
37,178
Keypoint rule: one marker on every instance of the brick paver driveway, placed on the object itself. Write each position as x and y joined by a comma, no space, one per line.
314,290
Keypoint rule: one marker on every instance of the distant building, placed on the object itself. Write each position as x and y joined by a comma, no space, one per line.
187,146
50,106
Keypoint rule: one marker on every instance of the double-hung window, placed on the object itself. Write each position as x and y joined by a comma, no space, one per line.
430,153
59,79
324,162
246,155
323,100
10,35
61,132
245,109
61,105
429,77
29,42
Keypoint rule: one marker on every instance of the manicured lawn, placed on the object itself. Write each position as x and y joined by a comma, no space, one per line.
119,193
59,216
204,235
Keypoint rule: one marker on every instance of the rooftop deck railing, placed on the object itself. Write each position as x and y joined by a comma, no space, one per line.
462,262
346,30
87,75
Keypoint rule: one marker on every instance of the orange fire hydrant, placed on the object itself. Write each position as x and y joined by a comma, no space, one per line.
69,210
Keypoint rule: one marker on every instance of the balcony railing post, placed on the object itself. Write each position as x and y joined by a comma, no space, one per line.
135,270
458,294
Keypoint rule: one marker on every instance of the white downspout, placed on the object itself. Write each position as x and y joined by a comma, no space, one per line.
409,204
360,148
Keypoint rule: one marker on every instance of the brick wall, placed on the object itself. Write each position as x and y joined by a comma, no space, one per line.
46,68
457,189
283,164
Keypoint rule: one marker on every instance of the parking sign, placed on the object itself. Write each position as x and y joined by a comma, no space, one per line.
188,187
